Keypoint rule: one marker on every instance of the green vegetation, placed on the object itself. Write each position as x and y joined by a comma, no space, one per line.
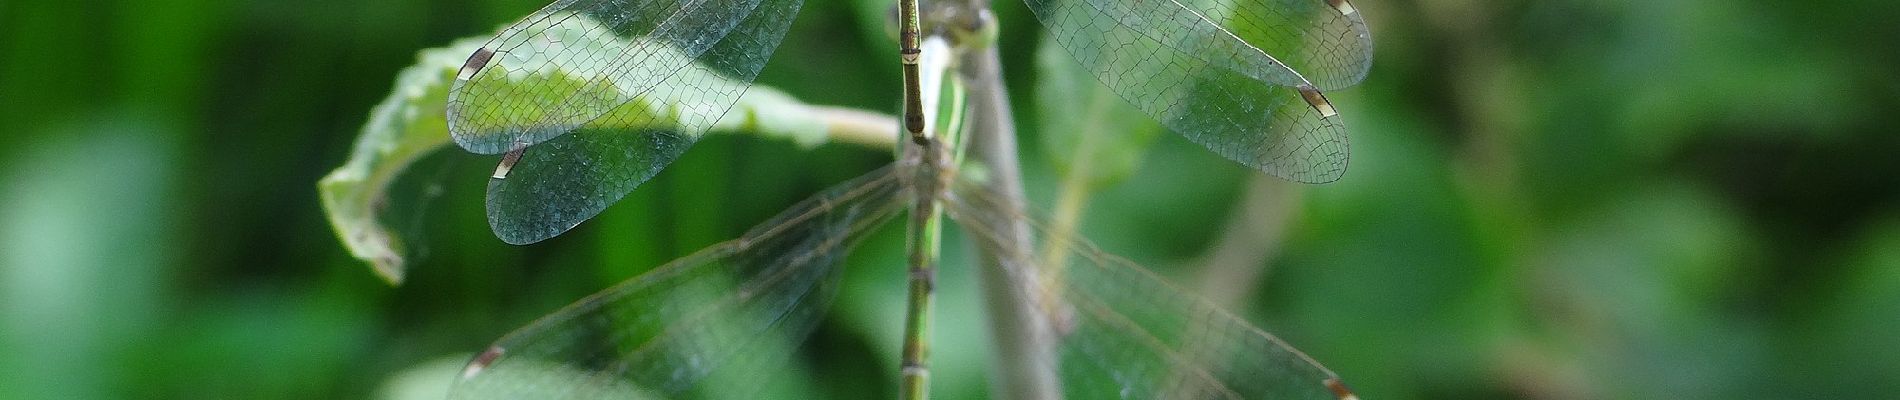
1688,199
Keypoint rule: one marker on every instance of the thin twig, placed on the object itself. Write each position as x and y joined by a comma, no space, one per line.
858,127
1237,263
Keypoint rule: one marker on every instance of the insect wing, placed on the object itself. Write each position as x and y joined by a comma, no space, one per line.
1246,79
710,325
603,113
1119,331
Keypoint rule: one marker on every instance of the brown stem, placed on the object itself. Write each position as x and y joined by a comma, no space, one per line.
1235,265
1022,342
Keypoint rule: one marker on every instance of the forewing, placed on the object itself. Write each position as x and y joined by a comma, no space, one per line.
1119,331
711,325
577,61
660,93
1245,78
1324,43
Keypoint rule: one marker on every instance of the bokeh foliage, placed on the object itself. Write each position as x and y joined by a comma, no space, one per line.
1548,199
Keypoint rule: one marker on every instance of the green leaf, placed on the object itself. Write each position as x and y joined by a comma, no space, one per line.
551,74
406,126
1087,131
410,124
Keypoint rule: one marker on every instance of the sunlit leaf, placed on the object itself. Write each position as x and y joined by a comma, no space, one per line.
410,124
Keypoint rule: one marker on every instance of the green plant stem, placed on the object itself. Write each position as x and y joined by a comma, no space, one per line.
1064,218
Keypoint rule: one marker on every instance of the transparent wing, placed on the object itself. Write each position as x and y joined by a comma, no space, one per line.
706,326
607,112
1324,43
1122,332
1243,77
576,62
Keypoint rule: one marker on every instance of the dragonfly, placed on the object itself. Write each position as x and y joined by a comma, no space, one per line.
1221,73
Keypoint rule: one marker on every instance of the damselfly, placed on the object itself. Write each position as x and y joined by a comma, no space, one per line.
1204,70
711,324
1243,77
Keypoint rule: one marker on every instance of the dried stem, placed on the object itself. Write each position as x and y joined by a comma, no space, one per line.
1236,265
1022,352
857,127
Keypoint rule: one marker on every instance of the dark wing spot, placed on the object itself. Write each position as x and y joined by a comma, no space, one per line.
508,161
475,63
482,362
1340,390
1344,7
1318,101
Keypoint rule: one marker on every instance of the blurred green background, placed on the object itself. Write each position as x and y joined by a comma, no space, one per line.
1547,199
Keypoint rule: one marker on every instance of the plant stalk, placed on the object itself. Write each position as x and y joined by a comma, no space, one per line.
1023,353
